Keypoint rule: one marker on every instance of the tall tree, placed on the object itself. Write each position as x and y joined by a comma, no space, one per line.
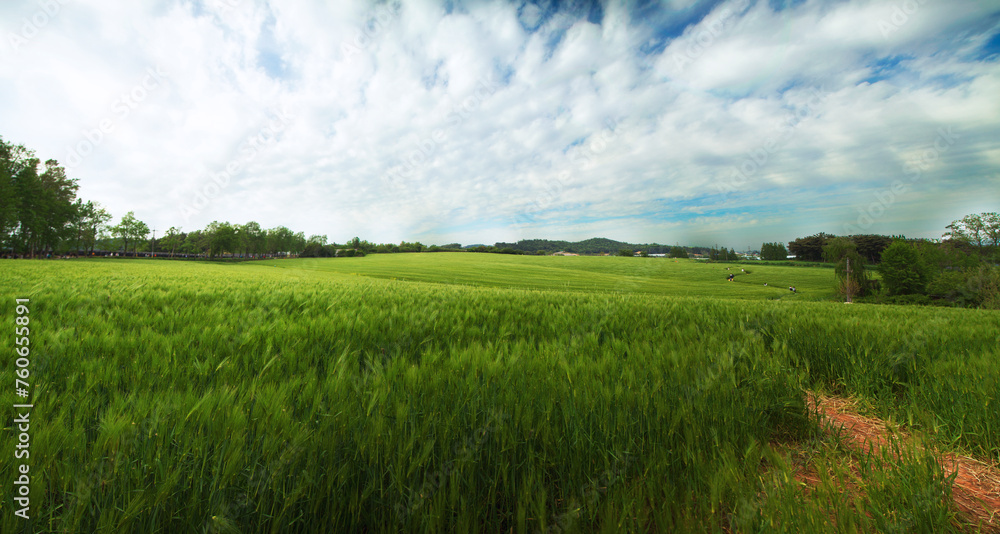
8,193
130,231
974,229
279,239
773,252
223,237
56,204
809,248
850,270
252,238
172,238
870,246
140,232
678,252
901,269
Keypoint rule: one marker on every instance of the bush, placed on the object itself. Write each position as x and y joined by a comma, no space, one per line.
985,282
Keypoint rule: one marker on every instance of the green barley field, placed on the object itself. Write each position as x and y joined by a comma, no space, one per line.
461,392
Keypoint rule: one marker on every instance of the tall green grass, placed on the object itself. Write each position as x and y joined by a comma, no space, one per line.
248,398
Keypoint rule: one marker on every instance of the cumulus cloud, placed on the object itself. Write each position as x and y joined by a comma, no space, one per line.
730,122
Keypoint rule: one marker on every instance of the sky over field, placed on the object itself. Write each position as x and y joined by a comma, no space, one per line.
680,121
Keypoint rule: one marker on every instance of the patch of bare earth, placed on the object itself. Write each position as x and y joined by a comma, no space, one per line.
976,488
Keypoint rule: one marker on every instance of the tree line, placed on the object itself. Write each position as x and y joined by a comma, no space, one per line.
40,214
961,269
39,209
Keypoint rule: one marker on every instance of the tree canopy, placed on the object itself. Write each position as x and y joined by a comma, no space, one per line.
773,252
901,269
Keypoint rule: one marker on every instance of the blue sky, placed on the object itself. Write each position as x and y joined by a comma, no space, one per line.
676,121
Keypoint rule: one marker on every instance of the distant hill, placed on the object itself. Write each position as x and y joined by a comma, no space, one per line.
596,245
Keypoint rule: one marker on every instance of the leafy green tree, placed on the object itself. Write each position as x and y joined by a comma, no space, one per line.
991,223
8,192
971,229
141,233
126,229
171,239
870,246
773,252
88,223
844,253
196,242
56,205
224,238
279,240
678,252
298,242
809,248
252,238
902,269
626,252
97,219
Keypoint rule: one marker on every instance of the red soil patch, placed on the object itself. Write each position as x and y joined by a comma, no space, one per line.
976,490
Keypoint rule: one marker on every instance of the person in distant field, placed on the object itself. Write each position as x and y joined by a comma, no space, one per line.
765,283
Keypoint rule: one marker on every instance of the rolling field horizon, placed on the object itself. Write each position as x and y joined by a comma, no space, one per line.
655,276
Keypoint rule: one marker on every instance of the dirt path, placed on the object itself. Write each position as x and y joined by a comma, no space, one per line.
976,490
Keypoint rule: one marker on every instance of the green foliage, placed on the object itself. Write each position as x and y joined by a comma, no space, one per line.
984,283
980,231
495,250
809,248
678,252
870,246
722,254
902,270
773,252
596,245
844,253
38,212
130,231
285,394
627,252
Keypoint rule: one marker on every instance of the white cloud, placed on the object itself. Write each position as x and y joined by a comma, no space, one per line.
410,122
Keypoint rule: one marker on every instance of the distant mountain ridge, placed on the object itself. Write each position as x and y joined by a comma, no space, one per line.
594,245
